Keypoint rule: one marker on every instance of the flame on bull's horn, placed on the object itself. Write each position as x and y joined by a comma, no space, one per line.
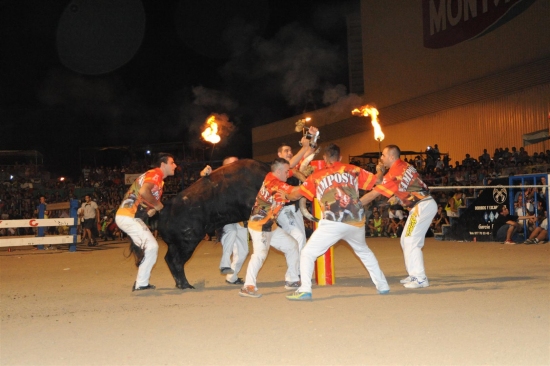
210,133
367,111
301,123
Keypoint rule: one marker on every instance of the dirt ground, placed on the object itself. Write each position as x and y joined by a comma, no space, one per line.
488,304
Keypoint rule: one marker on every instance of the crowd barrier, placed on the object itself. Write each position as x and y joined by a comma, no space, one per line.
40,223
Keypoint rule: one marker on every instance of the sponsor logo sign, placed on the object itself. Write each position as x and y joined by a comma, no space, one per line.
449,22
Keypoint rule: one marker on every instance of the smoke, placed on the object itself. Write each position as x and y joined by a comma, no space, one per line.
296,64
210,98
300,68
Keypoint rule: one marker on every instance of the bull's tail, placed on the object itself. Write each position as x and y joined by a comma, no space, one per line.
137,252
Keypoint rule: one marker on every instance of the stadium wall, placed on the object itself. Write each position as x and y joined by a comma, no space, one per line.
483,92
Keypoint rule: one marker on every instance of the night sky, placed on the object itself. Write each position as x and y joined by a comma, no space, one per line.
95,73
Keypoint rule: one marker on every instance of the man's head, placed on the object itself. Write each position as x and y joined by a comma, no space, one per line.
229,160
502,210
285,151
166,163
390,155
280,168
87,198
331,154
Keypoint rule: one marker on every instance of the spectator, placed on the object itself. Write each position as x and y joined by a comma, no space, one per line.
540,234
396,221
506,225
376,224
442,220
90,214
453,204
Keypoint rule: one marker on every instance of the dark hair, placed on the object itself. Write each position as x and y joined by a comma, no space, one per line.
332,151
283,144
163,157
500,208
277,163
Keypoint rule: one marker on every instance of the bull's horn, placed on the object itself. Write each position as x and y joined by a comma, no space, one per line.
305,211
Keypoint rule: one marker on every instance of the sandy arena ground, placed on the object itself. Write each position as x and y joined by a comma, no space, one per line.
488,304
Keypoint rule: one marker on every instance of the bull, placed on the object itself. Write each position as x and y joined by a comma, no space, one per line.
225,196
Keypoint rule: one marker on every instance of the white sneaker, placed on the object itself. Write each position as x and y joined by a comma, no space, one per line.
406,280
417,282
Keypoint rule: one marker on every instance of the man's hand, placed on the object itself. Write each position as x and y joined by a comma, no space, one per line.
280,195
151,212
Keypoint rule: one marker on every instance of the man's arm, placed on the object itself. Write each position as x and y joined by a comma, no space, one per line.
369,197
305,150
294,195
147,196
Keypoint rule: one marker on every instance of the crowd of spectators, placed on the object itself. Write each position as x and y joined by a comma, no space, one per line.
437,170
23,184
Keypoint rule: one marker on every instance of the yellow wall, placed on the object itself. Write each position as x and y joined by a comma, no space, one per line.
397,66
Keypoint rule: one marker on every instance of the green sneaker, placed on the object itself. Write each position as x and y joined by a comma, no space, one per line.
300,296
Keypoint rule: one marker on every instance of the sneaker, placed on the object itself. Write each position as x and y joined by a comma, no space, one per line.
406,279
529,241
249,291
509,242
536,241
226,270
293,285
141,288
300,296
417,282
383,292
238,281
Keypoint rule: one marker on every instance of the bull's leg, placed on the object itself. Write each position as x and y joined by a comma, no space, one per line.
176,257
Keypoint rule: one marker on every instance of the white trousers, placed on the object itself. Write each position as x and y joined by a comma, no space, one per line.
280,240
143,238
326,235
234,241
414,232
292,222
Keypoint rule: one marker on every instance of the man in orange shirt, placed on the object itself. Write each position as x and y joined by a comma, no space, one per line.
263,229
144,196
403,181
343,218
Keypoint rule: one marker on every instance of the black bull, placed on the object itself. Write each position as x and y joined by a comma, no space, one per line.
226,196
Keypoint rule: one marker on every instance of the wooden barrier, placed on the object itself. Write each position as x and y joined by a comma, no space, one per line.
40,223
